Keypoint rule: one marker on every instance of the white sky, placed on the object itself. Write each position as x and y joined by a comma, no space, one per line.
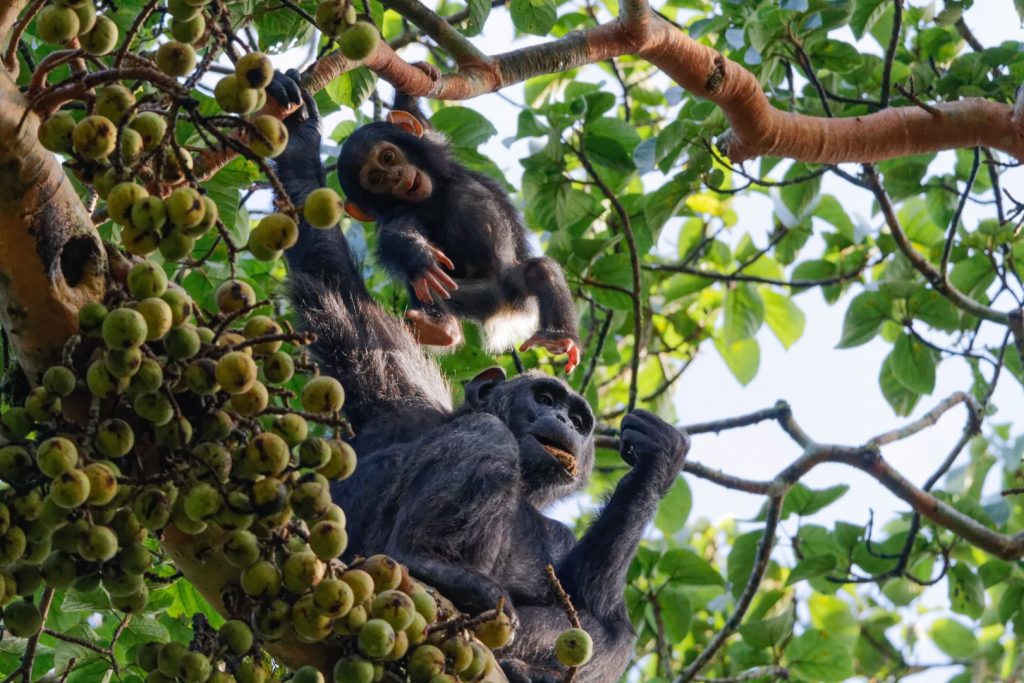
834,393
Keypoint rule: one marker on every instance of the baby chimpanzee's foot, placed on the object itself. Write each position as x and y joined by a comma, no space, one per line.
558,344
433,331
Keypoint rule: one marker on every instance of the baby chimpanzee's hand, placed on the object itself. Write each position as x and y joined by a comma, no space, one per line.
434,281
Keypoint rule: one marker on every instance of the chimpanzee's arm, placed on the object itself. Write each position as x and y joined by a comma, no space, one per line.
374,355
594,571
403,248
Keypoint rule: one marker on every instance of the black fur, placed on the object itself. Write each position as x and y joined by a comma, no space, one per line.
456,493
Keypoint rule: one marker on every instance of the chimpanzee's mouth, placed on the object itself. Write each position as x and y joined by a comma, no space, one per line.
556,451
417,180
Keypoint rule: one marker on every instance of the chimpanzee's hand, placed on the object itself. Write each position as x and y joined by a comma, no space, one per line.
286,98
650,444
434,281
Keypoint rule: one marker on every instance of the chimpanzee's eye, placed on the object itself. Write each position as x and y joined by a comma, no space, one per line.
545,399
376,178
577,422
387,157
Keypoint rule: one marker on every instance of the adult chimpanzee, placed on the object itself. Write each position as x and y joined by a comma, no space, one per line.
435,217
456,493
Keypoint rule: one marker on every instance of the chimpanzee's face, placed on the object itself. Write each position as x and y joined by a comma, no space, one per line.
387,171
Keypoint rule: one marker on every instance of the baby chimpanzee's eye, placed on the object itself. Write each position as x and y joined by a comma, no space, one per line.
376,178
387,156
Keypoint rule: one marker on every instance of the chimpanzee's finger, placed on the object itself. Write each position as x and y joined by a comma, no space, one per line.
443,278
443,259
422,291
436,285
291,86
277,90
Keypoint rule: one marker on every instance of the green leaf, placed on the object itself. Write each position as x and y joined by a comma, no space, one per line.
934,309
816,656
676,610
1012,600
837,56
479,10
966,592
536,17
784,318
742,358
614,270
896,393
799,197
953,638
802,500
687,567
768,632
463,126
864,317
913,365
744,313
741,560
351,89
973,275
610,142
674,508
809,567
830,209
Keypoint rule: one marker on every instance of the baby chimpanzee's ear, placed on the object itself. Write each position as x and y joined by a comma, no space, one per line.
353,210
406,122
481,385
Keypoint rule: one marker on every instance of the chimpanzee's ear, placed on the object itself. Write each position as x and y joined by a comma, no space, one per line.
406,121
353,210
481,385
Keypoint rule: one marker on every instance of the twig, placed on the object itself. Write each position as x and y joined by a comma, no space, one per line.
570,612
955,222
890,52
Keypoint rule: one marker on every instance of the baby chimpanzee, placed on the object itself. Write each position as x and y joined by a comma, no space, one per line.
453,235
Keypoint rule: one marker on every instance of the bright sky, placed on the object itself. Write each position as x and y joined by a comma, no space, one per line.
834,394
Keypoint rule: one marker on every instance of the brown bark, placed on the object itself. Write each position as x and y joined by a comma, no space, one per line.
51,259
757,128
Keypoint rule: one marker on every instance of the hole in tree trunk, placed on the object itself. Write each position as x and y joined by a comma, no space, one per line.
75,258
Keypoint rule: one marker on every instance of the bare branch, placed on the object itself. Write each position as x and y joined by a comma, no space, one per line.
764,552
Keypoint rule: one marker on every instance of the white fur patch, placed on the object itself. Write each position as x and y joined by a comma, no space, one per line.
505,329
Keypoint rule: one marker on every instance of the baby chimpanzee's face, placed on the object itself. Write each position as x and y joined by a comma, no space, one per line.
387,171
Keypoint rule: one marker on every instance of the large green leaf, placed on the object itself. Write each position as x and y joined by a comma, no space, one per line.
744,313
742,358
816,656
864,317
913,365
896,393
966,592
784,318
741,560
536,17
676,610
464,126
674,508
685,566
953,638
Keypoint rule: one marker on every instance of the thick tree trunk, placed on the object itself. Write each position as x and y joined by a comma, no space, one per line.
51,258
